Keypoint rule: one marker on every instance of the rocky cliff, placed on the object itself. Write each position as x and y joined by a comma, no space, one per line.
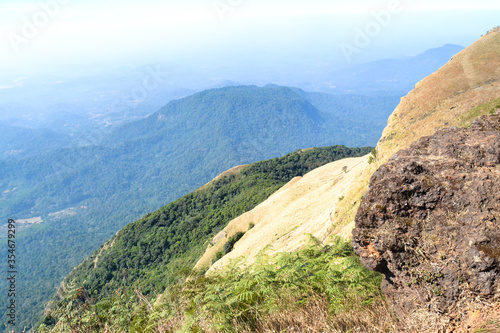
430,222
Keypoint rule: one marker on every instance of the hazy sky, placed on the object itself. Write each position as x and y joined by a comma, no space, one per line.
48,34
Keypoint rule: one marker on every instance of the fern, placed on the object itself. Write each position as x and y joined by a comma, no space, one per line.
233,300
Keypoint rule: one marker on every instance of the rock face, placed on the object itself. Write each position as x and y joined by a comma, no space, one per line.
430,221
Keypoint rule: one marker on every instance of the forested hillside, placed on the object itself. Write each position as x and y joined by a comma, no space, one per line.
150,254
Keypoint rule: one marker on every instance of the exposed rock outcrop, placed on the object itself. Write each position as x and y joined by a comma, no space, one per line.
430,221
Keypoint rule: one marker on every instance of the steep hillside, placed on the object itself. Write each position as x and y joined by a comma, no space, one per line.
286,221
310,281
465,88
458,93
186,137
85,194
151,254
445,98
470,83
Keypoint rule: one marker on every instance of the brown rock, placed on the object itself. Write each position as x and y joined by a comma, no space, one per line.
430,221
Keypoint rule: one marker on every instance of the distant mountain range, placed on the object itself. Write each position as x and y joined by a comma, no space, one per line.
182,145
348,119
119,95
61,111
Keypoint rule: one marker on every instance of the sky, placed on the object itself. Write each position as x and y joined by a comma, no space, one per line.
273,35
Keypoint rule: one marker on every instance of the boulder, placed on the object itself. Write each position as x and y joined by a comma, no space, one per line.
430,221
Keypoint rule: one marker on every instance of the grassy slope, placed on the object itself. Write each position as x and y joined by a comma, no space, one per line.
285,220
141,167
466,87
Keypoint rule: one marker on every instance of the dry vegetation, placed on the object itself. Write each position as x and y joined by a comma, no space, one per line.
283,223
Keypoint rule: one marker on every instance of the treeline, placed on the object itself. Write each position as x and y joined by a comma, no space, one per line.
141,166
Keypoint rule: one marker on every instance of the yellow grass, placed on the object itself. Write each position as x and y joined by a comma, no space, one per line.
465,88
283,223
462,90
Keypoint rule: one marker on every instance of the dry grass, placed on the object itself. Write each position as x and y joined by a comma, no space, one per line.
469,80
283,222
466,119
470,315
315,318
465,88
453,96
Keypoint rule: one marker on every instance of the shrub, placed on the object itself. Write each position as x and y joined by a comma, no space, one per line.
228,247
